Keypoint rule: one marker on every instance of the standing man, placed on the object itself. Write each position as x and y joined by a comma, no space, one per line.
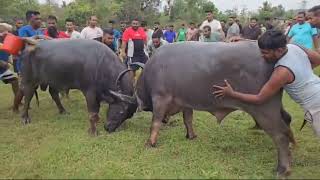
268,22
18,24
154,44
292,71
224,27
108,39
252,31
148,31
5,73
92,31
52,30
182,34
157,30
134,40
302,33
234,30
169,35
209,36
71,32
192,33
116,34
213,23
33,28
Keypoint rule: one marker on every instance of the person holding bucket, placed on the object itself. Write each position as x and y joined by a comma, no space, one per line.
6,75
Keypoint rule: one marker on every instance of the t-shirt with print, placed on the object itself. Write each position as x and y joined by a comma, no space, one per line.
302,34
138,37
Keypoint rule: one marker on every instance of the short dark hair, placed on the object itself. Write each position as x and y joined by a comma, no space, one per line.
31,13
171,25
69,20
253,19
144,24
315,9
135,19
267,19
158,23
302,12
208,11
112,21
207,27
92,16
191,23
108,31
51,17
272,39
156,35
223,20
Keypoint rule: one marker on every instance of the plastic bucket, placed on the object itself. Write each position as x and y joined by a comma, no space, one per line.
12,44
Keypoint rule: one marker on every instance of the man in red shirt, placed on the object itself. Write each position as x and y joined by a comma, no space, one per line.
52,30
134,40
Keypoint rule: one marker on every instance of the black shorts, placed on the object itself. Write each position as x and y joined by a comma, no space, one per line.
8,76
142,60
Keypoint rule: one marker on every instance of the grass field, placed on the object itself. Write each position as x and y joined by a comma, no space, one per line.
58,146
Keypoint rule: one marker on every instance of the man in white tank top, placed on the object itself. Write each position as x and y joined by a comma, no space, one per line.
292,71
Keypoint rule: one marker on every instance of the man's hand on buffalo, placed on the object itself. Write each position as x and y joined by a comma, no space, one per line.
222,91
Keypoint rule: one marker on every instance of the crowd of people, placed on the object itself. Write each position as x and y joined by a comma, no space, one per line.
137,42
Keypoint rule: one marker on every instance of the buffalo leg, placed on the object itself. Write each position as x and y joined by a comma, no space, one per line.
274,125
187,119
286,116
159,113
28,92
93,108
55,96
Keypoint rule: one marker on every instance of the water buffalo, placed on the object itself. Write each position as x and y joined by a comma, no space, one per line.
179,78
86,65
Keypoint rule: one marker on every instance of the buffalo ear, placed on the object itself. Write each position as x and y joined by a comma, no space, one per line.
125,98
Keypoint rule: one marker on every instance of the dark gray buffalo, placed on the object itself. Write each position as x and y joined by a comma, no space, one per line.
179,78
86,65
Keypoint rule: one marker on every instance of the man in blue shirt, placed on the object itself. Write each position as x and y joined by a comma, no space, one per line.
302,33
34,27
170,35
116,35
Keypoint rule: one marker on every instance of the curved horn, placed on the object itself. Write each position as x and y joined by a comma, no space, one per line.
120,77
123,97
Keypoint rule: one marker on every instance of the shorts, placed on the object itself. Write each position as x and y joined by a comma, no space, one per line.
8,76
129,60
313,116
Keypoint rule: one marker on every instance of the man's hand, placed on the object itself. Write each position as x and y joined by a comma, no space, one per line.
223,91
123,55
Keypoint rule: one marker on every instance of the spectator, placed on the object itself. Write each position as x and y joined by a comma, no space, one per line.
252,31
239,24
268,23
6,75
108,39
289,24
123,27
214,24
92,31
71,32
224,27
209,36
154,44
182,34
263,28
157,30
134,41
116,34
148,31
52,30
192,33
169,35
33,28
234,29
18,24
302,33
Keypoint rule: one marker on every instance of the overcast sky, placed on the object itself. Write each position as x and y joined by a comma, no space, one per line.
250,4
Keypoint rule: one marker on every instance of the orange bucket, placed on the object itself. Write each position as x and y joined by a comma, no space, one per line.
12,44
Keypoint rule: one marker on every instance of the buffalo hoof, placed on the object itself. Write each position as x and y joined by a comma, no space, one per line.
283,172
26,121
93,133
191,137
149,144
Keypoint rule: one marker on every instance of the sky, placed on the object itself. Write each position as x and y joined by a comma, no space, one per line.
252,5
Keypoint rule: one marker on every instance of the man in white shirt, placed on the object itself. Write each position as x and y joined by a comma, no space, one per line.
92,31
213,23
70,29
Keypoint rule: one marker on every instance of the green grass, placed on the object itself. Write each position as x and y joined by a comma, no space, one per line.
58,146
